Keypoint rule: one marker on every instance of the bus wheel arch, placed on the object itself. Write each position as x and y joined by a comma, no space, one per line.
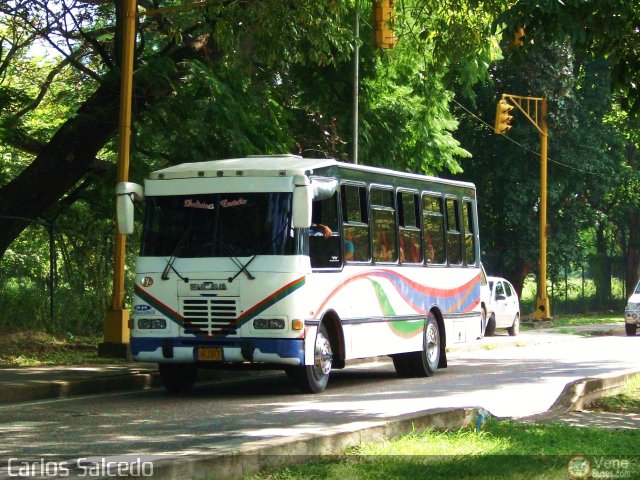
332,323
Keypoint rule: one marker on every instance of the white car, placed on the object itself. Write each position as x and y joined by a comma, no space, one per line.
632,312
503,309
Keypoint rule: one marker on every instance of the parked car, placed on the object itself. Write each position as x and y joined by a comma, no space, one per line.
504,307
632,312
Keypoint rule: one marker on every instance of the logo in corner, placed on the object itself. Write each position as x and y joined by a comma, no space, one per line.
578,467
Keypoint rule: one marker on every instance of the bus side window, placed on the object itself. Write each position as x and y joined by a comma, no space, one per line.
433,224
383,226
410,234
454,233
469,233
355,221
325,252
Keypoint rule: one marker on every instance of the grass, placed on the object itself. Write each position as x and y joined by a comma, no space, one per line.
501,450
566,323
34,349
627,401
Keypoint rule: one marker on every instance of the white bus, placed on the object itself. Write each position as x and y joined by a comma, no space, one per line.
301,264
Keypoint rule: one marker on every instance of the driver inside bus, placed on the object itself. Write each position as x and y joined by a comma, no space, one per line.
318,228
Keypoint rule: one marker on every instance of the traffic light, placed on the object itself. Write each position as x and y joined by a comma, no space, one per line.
518,35
383,36
502,117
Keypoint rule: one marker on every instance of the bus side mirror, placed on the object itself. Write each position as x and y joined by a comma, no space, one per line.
302,198
126,193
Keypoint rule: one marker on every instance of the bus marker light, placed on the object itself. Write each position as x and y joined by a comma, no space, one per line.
297,324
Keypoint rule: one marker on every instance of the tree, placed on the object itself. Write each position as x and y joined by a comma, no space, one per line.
88,40
244,65
581,171
603,29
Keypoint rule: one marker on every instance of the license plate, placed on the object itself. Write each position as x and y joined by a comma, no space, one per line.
210,354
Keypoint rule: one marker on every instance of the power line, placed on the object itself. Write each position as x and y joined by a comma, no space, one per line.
524,147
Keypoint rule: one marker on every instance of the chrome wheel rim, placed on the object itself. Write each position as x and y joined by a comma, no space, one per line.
323,355
433,343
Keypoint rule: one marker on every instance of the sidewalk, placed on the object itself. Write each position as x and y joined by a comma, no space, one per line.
40,383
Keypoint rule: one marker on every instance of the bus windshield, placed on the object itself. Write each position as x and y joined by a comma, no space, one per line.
218,225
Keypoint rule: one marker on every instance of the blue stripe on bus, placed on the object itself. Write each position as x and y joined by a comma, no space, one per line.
284,348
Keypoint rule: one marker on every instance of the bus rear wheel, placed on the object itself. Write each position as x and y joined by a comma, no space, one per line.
424,363
630,329
314,378
178,378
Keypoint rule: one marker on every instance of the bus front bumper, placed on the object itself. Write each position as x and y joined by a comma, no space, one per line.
193,350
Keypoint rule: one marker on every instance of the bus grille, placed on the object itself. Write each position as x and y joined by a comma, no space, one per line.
209,316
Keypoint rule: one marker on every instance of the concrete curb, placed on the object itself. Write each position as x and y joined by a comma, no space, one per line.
52,389
334,441
580,393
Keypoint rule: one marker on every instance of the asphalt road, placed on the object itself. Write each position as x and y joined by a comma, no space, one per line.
509,381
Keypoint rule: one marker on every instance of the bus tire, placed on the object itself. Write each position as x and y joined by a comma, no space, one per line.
491,326
314,378
403,364
630,329
178,378
426,363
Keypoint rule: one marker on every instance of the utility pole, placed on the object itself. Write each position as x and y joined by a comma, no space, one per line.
356,82
116,328
535,110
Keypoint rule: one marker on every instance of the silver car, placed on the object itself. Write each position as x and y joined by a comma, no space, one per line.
632,312
504,307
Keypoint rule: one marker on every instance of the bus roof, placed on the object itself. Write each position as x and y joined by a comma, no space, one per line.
261,165
279,165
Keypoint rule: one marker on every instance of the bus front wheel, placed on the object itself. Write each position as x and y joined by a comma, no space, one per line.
314,378
178,378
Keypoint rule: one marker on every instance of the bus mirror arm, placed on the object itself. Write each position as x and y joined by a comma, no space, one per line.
126,194
301,203
323,188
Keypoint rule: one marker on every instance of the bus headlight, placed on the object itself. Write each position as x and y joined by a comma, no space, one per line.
268,324
152,323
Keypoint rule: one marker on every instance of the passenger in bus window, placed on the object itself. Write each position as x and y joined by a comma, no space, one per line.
349,250
430,252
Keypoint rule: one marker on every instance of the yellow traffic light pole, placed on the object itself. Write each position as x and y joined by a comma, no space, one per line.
535,110
116,328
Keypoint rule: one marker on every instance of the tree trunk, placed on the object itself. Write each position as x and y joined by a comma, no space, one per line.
72,151
60,165
601,268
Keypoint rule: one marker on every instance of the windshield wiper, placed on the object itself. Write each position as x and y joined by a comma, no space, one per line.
238,263
174,256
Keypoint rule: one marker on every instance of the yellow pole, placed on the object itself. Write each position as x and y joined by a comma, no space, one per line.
116,330
543,310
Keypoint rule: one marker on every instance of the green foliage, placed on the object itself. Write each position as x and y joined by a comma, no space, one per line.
496,452
236,78
603,29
